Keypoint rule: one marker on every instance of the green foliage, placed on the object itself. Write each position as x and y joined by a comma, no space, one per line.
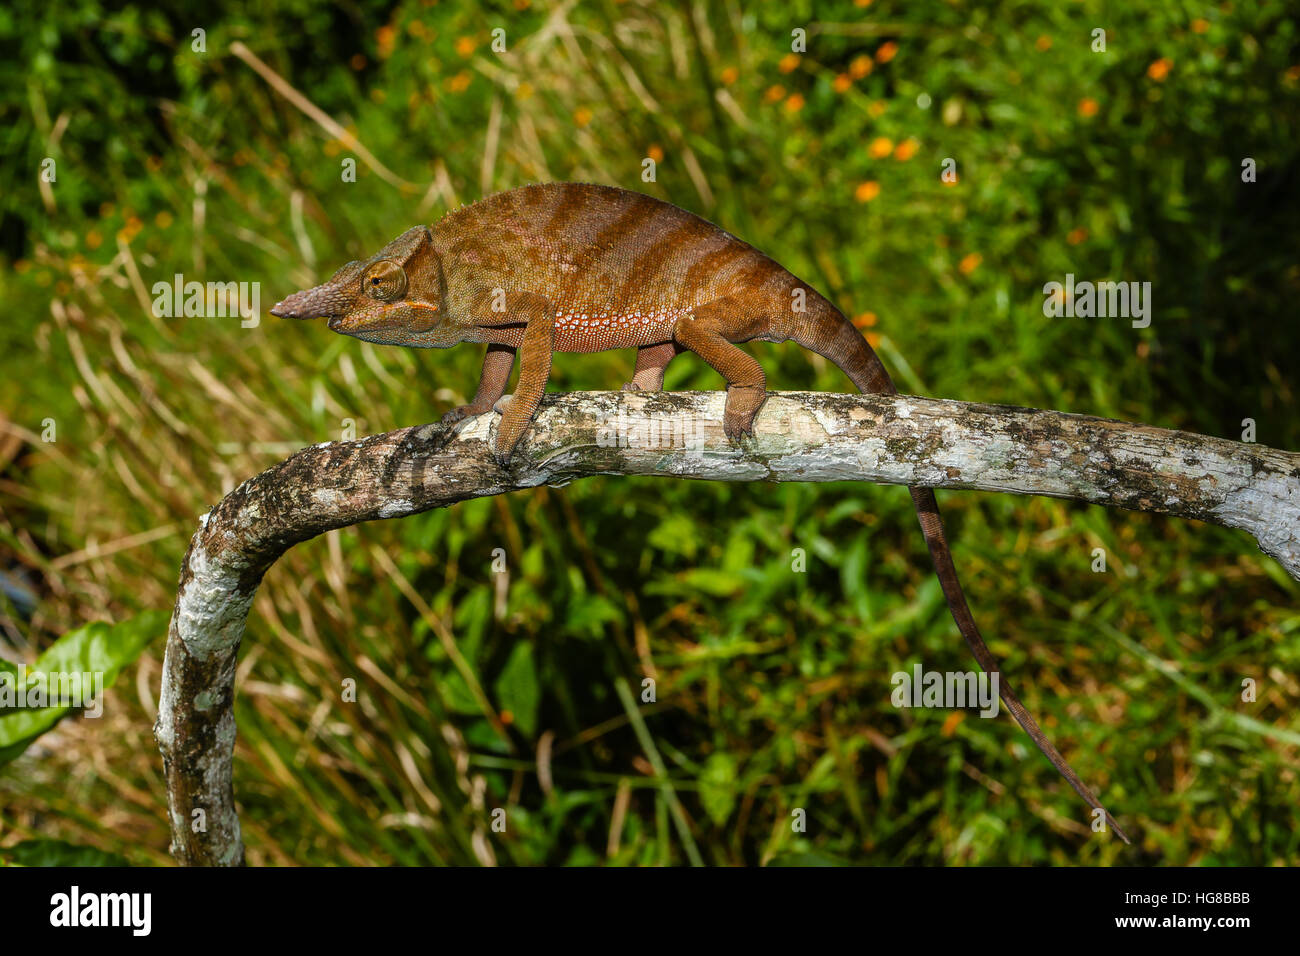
97,649
57,853
772,685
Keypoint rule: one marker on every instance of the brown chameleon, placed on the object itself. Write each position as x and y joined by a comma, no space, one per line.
573,267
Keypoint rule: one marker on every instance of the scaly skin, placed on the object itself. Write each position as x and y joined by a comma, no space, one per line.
571,267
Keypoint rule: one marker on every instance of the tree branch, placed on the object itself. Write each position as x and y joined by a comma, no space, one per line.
799,436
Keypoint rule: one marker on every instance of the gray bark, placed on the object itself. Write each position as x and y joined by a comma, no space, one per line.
799,436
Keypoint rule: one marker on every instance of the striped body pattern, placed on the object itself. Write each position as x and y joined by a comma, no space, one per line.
574,267
619,268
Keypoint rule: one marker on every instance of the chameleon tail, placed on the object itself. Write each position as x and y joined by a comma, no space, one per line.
831,335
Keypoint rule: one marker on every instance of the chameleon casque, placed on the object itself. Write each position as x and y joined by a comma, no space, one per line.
570,267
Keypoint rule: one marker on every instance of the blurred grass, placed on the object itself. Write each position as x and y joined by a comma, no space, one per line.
772,687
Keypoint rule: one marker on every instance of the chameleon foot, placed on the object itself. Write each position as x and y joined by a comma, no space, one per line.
503,443
461,412
741,409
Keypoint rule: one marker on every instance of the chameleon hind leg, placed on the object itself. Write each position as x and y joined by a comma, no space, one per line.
703,333
651,360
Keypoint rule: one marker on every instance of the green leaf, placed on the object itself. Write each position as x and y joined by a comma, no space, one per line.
718,787
96,648
58,853
589,614
517,689
675,534
714,582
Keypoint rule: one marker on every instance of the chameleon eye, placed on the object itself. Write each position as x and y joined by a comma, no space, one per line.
385,280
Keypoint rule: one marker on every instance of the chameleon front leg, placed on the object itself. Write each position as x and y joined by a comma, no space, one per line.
702,333
498,362
534,371
651,360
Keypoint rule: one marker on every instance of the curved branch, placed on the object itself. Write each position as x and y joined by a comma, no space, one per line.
799,436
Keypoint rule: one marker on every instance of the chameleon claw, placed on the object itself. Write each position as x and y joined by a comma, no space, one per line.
460,413
737,431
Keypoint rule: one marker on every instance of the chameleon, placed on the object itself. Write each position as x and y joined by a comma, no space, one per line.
578,267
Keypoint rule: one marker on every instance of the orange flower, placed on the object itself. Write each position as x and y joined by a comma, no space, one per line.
867,191
887,52
862,3
358,61
842,83
459,83
970,263
655,152
1043,43
1200,25
877,109
1076,236
864,321
385,39
880,147
861,66
465,46
873,339
906,150
1160,69
774,93
789,63
94,240
794,104
729,76
582,116
1087,106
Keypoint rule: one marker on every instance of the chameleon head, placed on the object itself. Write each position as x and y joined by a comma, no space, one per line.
394,298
